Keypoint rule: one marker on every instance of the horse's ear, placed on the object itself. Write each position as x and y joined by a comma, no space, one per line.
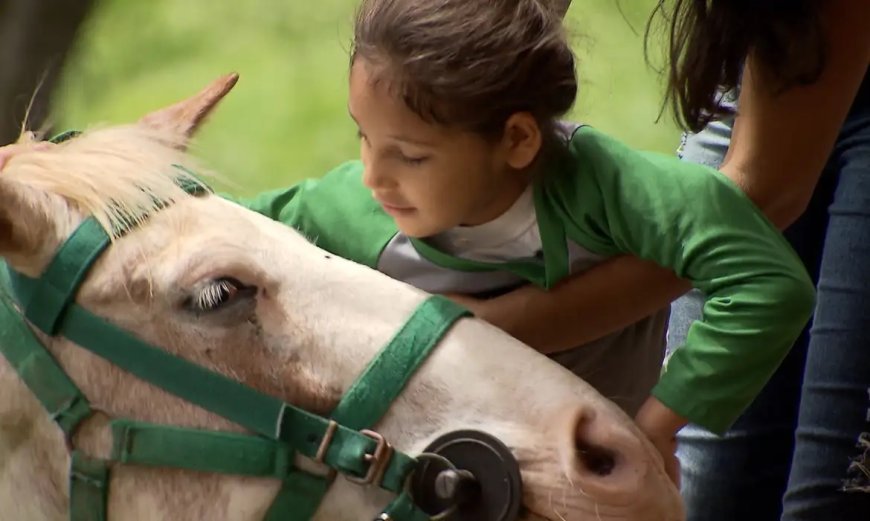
561,7
185,117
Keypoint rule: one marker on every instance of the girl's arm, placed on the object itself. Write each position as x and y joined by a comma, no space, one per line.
779,146
584,307
336,212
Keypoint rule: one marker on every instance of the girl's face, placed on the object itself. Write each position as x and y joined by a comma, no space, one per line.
430,178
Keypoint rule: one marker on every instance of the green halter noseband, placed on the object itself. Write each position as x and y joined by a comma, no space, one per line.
343,442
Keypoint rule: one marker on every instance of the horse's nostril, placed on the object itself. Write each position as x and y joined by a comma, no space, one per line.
601,447
595,459
605,459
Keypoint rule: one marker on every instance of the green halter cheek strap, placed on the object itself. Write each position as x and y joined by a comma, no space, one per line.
281,430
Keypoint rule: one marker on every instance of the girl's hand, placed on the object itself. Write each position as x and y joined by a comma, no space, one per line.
504,312
464,300
660,424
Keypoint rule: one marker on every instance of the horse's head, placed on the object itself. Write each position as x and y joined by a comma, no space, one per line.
250,299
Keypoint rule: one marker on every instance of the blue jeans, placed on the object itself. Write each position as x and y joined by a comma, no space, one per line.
801,451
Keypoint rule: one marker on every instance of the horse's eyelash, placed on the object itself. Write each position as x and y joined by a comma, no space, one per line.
213,295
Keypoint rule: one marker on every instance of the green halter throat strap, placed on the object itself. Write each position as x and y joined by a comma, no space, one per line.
281,430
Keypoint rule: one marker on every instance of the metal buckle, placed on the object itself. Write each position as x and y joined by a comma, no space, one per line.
325,442
377,460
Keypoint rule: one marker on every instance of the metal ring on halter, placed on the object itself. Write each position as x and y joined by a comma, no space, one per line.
69,437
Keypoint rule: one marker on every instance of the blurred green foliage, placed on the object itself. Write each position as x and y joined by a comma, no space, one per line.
287,117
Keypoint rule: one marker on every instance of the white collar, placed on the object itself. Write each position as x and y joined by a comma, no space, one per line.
505,228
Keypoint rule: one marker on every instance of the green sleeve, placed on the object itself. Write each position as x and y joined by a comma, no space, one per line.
695,221
335,212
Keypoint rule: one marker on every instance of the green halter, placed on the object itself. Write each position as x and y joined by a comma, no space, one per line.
342,442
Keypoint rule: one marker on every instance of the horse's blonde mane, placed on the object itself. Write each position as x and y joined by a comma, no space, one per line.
117,174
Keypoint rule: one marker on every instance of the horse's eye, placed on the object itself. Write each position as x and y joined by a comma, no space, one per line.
218,293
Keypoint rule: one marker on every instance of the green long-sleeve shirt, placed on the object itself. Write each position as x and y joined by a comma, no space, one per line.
609,199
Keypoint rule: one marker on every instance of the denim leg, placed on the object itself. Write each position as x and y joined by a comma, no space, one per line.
830,477
742,475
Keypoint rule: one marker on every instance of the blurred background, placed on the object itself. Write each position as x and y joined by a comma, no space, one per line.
110,61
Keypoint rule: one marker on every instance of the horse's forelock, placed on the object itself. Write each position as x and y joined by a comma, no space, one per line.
118,174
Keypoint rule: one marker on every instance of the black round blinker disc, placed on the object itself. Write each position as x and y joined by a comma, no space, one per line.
479,481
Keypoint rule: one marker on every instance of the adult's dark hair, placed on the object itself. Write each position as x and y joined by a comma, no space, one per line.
709,41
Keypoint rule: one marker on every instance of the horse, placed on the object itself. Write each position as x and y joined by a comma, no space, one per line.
264,312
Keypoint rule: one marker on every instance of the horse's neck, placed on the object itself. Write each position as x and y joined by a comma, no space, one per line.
33,457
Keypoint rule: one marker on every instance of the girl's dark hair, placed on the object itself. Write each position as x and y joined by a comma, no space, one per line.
470,63
709,40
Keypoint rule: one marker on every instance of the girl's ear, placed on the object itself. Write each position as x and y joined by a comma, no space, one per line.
522,140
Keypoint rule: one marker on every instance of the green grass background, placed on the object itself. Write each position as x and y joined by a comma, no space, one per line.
287,119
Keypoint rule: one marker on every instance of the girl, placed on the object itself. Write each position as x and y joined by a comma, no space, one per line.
468,184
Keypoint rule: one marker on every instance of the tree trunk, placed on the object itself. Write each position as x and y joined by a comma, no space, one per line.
35,39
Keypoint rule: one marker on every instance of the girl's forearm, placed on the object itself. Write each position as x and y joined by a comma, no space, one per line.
592,304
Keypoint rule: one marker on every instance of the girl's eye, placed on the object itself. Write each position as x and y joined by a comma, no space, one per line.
395,152
218,294
413,161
